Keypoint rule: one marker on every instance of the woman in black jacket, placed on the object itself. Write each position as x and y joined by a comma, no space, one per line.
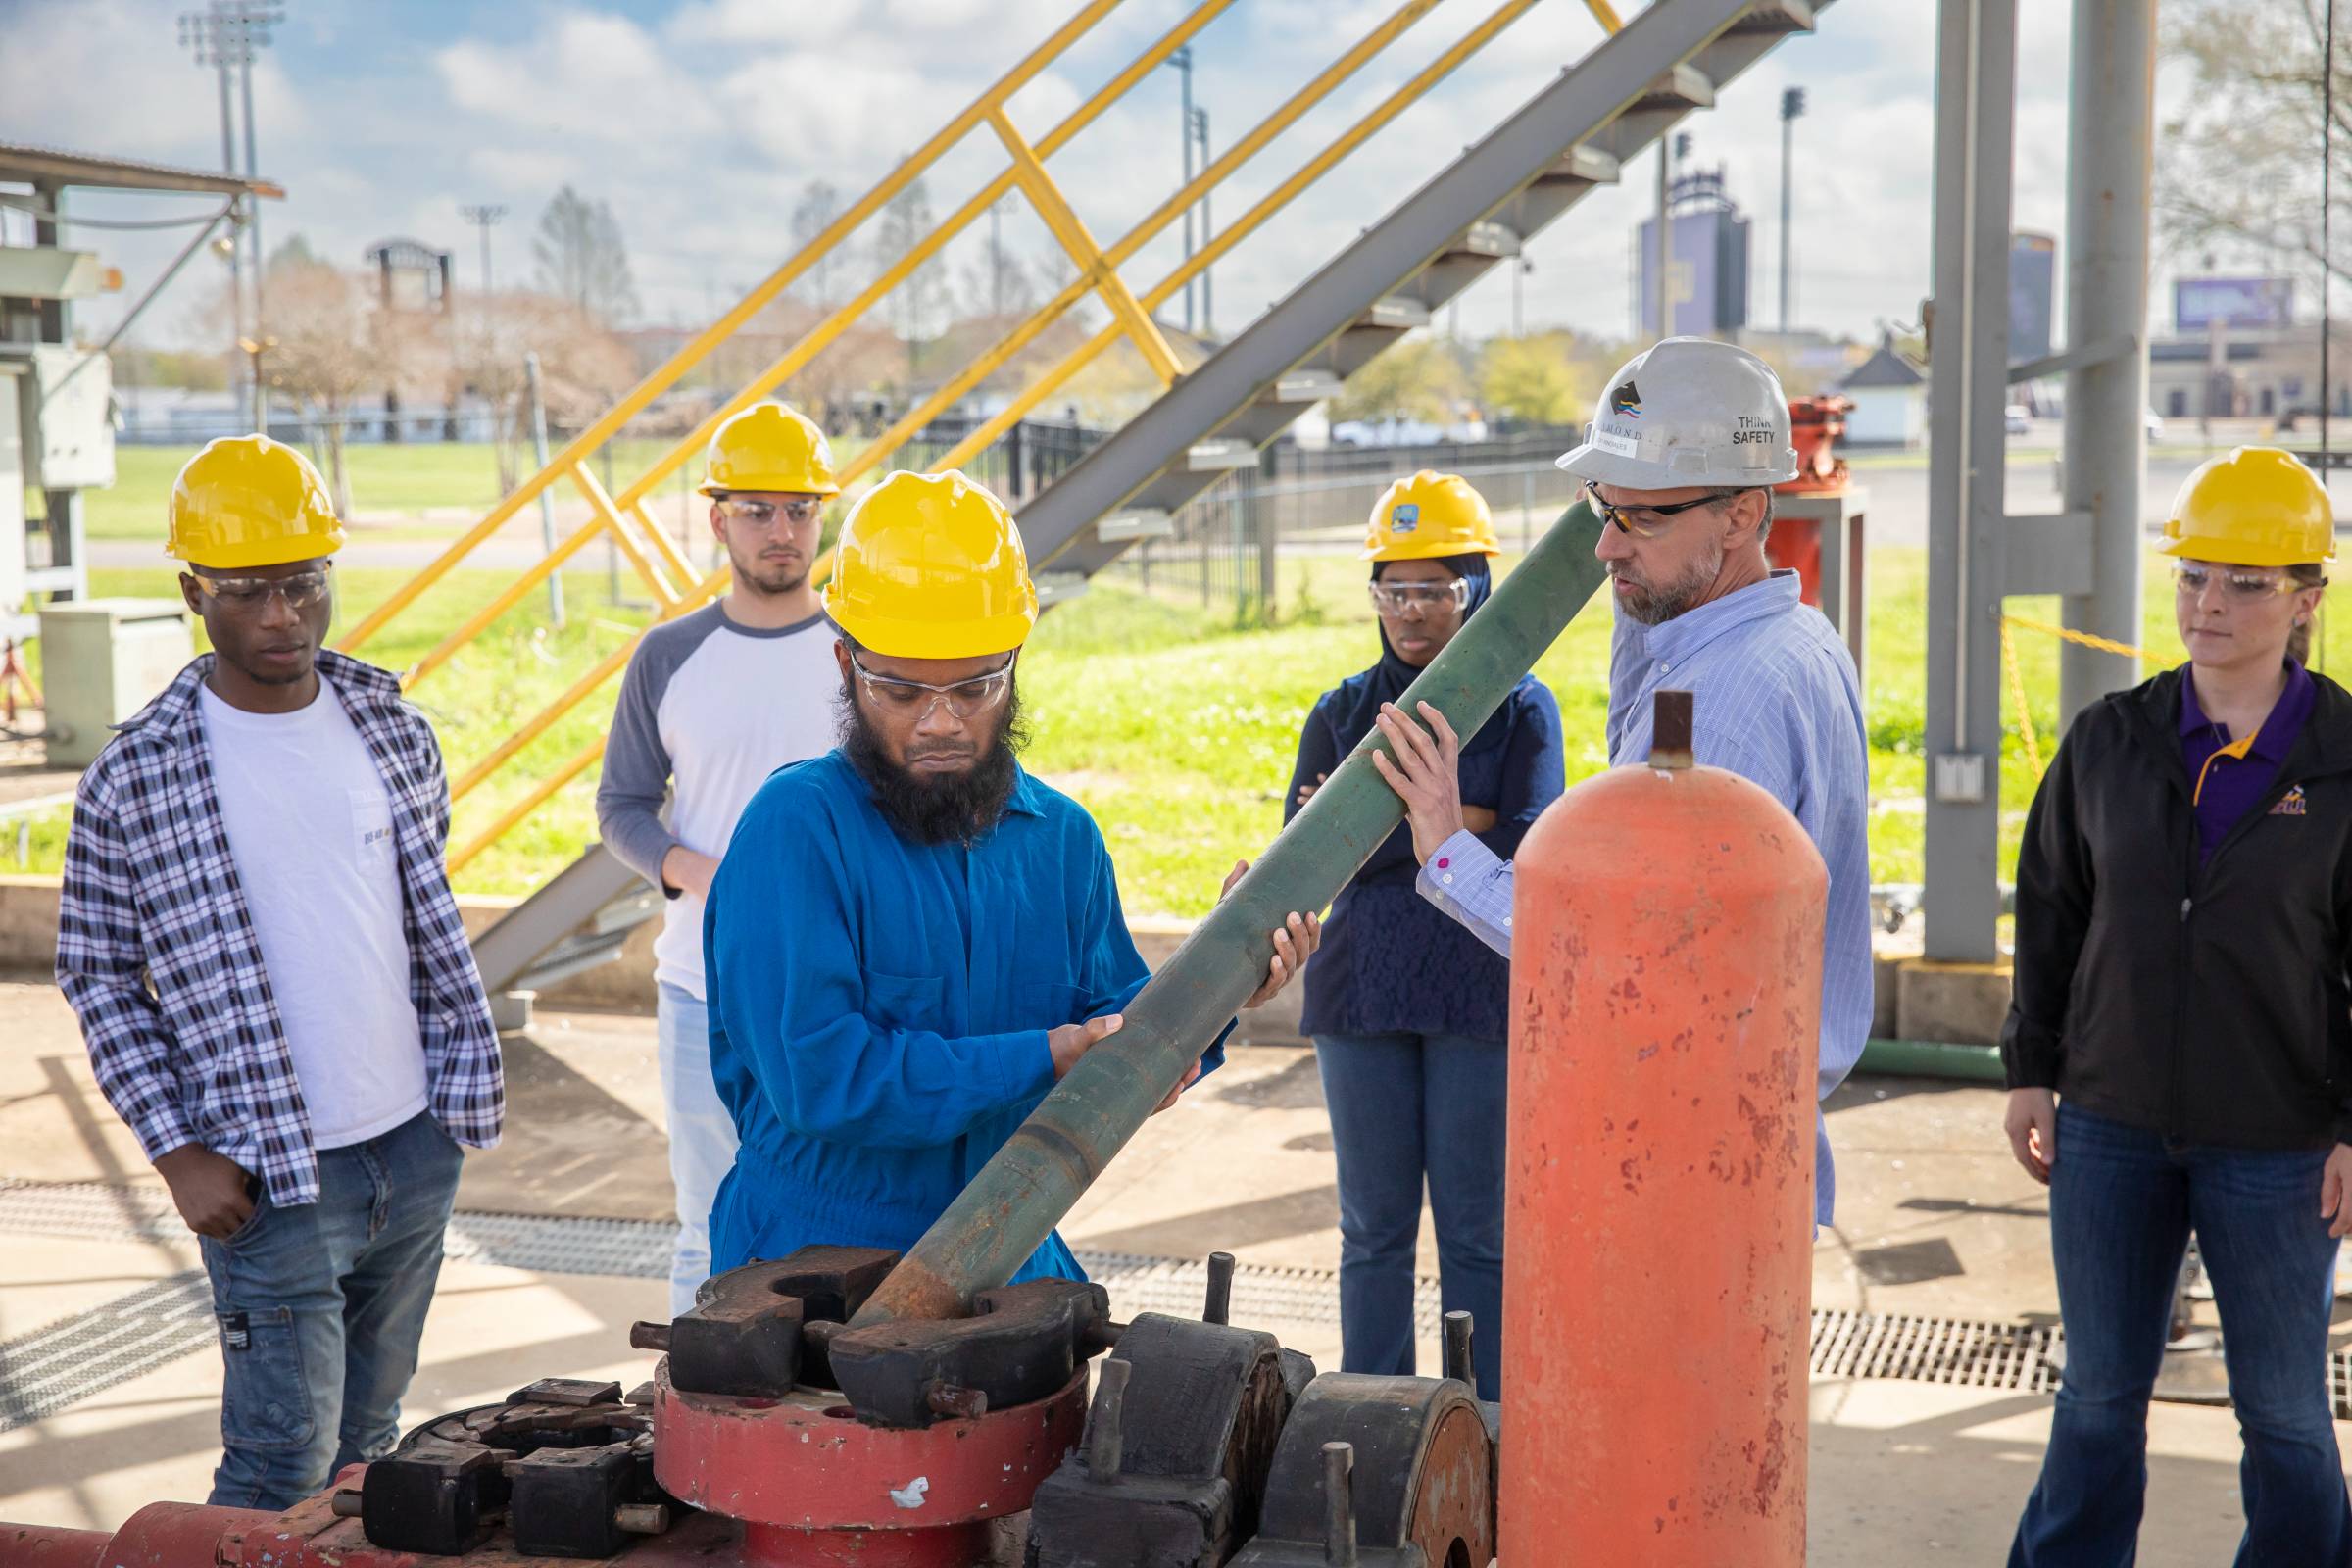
2180,1048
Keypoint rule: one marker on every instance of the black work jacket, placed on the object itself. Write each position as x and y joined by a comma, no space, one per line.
2209,1003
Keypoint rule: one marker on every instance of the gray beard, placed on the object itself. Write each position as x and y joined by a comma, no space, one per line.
1652,607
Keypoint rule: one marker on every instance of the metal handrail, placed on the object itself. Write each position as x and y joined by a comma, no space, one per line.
1097,272
642,395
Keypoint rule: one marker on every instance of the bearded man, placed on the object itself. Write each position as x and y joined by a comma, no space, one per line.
910,939
717,701
1679,462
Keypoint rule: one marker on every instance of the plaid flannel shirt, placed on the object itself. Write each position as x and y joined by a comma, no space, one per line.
157,951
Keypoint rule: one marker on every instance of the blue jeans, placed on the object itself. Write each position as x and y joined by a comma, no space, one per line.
2122,1202
702,1135
320,1306
1404,1107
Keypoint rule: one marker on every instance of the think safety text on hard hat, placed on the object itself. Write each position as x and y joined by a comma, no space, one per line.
1685,412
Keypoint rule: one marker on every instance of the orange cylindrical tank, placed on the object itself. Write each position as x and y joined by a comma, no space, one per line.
1657,1250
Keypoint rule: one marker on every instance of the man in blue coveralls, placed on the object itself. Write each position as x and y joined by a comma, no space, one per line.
909,939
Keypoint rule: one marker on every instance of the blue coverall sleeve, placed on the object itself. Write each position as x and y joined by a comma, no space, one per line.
828,1043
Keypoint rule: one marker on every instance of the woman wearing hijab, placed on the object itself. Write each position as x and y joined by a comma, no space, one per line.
1407,1009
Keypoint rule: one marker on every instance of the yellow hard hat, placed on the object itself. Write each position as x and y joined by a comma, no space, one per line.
769,447
248,501
2257,506
1430,514
930,565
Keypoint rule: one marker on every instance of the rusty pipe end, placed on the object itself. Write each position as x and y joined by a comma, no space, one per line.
650,1337
1670,731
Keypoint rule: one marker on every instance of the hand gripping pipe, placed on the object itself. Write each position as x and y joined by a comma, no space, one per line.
1017,1199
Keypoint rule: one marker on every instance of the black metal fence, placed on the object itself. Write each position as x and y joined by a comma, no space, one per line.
1229,543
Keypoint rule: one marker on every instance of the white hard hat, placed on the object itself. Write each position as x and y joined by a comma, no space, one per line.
1688,411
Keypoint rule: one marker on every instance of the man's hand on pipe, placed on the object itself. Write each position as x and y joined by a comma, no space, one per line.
1295,942
1426,775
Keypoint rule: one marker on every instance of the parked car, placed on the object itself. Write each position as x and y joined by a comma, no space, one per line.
2016,420
2154,424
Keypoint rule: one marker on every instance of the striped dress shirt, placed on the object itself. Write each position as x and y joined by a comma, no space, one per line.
1775,701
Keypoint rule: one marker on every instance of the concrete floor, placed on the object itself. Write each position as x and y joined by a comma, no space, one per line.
1934,1220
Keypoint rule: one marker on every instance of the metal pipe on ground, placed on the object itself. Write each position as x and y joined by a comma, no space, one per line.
1016,1200
1933,1059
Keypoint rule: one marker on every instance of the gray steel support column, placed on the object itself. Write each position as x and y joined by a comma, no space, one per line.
1975,82
2109,134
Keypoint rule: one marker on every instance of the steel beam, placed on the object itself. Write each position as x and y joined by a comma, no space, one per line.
1976,83
1597,93
2109,134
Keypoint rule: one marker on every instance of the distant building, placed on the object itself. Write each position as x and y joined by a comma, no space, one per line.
2032,295
1890,400
1707,271
2222,373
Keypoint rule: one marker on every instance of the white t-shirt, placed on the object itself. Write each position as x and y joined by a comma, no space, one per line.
717,708
309,828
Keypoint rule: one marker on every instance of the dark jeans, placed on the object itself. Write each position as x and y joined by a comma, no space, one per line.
2122,1205
1402,1107
320,1306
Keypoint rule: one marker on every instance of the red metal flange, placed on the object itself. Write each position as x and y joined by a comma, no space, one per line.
814,1485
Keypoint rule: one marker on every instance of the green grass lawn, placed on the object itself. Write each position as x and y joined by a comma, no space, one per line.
409,477
1174,729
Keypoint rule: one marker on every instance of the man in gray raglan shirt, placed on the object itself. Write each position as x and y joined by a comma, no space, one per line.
719,700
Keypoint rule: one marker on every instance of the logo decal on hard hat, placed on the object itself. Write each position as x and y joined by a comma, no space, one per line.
1626,399
1404,517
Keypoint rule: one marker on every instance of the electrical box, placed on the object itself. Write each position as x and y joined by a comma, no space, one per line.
102,661
11,497
69,439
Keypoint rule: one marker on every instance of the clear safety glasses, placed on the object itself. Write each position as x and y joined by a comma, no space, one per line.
1395,598
764,514
914,699
300,591
2238,582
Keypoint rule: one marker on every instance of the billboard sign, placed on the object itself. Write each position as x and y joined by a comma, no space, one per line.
2200,303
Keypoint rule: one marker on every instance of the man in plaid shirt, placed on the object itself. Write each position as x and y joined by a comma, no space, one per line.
258,935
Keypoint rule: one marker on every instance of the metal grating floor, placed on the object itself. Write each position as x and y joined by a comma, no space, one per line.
1934,1349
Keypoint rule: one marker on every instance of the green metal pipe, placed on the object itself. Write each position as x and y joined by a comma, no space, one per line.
1017,1199
1929,1059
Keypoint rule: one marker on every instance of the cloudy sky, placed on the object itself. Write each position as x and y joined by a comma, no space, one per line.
700,120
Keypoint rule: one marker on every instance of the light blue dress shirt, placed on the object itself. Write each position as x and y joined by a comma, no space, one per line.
1775,700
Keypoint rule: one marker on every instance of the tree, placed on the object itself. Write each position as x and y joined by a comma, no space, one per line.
916,304
1418,379
582,366
2242,160
582,257
819,204
997,283
323,346
292,251
1529,379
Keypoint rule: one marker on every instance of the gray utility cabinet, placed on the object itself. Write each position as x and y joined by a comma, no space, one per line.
102,661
